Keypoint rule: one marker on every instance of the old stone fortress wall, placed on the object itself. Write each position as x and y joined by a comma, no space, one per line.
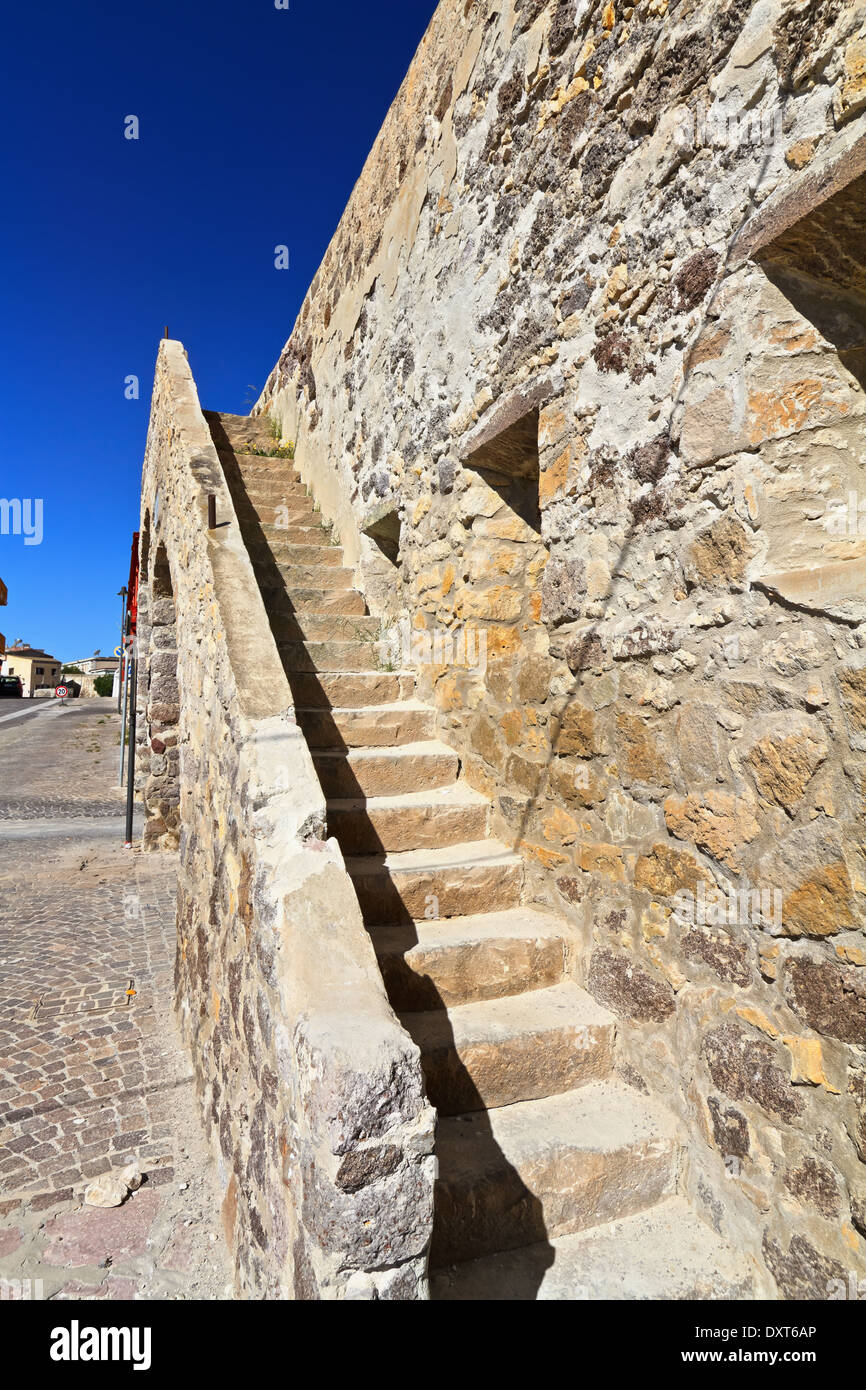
579,385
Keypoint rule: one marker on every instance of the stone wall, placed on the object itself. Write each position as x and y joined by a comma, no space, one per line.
308,1084
588,351
87,682
157,757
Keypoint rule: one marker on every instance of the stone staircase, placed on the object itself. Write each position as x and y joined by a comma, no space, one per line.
556,1181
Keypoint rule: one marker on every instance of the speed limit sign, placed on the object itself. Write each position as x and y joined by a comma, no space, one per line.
61,692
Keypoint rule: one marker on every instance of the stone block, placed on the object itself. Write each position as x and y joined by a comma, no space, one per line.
718,823
629,990
830,997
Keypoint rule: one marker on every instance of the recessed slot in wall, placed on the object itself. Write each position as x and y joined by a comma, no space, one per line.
812,371
162,586
819,264
508,463
384,532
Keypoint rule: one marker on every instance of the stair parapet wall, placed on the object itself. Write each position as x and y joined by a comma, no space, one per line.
309,1086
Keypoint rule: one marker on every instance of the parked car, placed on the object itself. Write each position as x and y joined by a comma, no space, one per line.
11,688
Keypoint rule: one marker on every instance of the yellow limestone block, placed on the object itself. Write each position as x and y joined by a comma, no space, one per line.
758,1019
807,1062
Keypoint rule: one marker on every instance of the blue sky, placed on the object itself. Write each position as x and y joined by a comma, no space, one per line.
254,125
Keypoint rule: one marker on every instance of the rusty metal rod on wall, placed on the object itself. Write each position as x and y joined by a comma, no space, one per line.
211,512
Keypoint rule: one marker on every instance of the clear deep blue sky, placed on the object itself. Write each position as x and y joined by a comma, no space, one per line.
254,125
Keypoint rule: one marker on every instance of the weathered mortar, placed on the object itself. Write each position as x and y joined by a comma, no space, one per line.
310,1087
674,694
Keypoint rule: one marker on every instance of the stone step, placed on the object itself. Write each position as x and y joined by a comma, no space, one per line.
304,625
281,544
240,429
240,442
474,877
327,656
326,627
276,504
275,528
502,1051
269,478
288,530
530,1172
342,601
274,512
311,577
662,1254
261,470
292,535
266,501
364,772
270,483
386,726
273,520
264,524
414,820
434,965
319,555
267,468
263,476
333,689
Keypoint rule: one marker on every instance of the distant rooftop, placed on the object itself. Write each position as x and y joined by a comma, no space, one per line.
29,651
109,662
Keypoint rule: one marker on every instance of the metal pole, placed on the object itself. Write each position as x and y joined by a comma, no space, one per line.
122,596
125,660
211,512
130,783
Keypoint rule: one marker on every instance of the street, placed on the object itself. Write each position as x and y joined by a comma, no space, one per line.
92,1068
18,710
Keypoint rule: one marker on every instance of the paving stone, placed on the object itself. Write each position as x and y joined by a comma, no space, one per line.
10,1240
90,1075
110,1289
93,1234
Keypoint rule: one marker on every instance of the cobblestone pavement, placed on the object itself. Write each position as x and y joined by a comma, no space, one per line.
92,1067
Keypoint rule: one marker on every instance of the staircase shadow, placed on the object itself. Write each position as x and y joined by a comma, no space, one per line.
501,1212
